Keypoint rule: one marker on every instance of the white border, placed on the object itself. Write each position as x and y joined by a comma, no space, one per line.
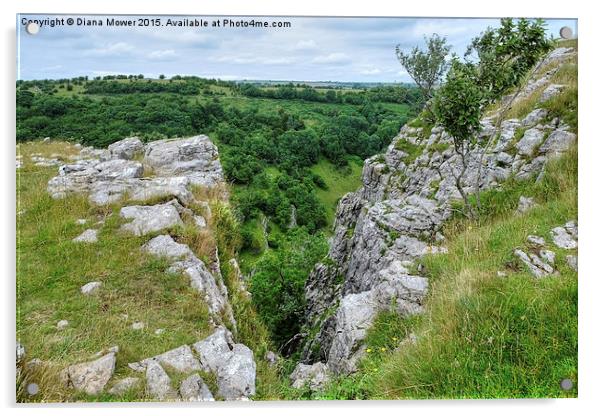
589,203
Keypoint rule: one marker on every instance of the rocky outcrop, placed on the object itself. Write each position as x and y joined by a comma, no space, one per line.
382,229
109,176
232,364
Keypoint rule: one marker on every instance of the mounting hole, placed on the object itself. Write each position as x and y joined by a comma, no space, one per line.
566,384
32,28
33,389
566,32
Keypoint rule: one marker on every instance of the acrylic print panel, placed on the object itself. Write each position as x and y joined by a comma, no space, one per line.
286,208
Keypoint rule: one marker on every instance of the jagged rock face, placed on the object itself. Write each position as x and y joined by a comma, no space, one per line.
110,175
195,157
396,215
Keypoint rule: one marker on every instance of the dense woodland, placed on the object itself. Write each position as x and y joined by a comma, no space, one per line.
281,146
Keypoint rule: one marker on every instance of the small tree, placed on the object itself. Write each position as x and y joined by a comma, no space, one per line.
161,76
504,57
426,68
458,107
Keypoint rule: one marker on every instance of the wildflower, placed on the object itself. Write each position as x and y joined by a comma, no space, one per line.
383,349
368,350
394,338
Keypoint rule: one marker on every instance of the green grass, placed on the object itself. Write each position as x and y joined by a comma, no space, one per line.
413,150
339,182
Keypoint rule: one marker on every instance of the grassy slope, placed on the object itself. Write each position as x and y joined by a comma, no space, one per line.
51,269
339,182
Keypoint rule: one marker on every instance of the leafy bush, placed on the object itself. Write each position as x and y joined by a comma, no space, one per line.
277,287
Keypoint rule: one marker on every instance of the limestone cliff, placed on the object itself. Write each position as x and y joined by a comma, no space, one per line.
395,217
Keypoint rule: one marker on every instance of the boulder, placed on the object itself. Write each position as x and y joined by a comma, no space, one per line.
118,169
91,377
534,117
158,382
529,142
558,142
551,90
563,239
233,364
126,149
194,389
195,157
214,349
316,376
90,288
165,246
180,359
62,324
536,240
88,236
148,219
236,377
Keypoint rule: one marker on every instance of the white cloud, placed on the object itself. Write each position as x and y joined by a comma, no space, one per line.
278,61
160,55
332,58
306,45
113,49
249,59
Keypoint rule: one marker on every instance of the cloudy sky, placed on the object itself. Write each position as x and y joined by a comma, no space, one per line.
312,49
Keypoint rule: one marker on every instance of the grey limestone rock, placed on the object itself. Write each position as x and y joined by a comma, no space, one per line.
315,376
88,236
124,385
565,237
158,383
90,288
91,377
233,364
150,218
194,389
180,359
126,149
